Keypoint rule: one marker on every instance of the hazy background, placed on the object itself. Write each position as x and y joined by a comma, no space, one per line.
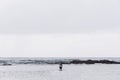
64,28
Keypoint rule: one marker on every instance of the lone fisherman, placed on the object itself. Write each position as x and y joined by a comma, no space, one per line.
60,66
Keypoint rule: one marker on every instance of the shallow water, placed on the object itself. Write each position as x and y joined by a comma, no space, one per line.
70,72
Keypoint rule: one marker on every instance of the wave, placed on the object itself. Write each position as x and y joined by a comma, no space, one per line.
56,60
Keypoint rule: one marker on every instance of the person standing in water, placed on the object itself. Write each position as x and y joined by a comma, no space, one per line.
60,66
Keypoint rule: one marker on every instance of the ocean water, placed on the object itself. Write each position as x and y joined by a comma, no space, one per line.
70,72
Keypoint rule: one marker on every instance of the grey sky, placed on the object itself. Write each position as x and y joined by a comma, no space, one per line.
59,28
51,16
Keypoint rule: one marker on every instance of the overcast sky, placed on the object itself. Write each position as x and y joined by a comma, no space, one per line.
59,28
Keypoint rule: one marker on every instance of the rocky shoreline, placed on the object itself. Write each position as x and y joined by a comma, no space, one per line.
64,61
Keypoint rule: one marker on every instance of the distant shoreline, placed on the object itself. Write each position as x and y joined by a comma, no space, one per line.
56,61
94,62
